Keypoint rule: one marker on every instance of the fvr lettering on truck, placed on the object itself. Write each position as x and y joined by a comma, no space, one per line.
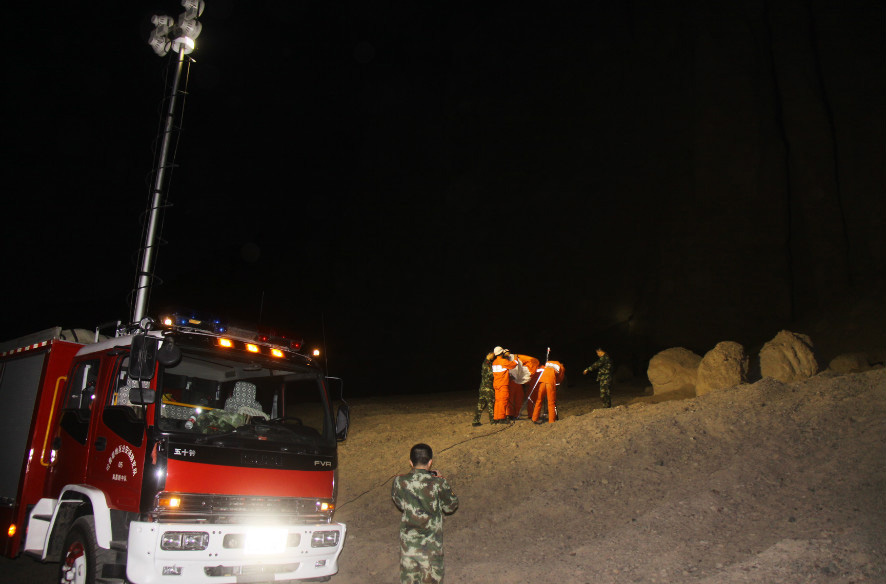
181,455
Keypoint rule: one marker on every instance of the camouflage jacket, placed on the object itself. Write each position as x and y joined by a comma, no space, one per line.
486,375
423,499
603,366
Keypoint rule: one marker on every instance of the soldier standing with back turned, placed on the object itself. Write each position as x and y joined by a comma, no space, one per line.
423,496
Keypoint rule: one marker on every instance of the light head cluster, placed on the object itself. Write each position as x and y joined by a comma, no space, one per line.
177,35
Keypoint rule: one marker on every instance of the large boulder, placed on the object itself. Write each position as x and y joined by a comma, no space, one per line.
850,363
673,369
723,366
788,357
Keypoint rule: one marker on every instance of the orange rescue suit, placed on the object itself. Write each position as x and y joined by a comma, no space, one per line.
500,381
517,391
552,374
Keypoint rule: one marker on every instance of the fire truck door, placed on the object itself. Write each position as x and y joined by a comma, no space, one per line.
71,445
117,459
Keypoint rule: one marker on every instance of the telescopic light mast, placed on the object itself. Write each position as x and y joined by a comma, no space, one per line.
182,33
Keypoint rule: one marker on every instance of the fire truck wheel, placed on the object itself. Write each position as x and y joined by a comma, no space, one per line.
83,559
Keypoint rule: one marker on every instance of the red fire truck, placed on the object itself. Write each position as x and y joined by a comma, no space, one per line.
171,453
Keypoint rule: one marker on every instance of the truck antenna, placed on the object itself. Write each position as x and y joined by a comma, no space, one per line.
261,307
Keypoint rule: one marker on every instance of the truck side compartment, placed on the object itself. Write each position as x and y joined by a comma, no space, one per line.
33,372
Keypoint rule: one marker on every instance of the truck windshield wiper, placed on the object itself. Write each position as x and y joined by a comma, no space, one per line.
262,430
221,436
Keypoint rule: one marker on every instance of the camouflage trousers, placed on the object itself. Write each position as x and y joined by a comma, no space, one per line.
605,387
421,568
486,401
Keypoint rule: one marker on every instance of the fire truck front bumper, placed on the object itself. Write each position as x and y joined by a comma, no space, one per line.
231,553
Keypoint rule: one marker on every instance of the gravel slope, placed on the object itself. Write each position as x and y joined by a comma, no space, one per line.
764,482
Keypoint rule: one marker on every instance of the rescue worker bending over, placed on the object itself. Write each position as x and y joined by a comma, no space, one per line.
551,374
518,390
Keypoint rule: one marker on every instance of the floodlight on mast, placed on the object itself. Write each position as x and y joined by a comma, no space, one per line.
178,36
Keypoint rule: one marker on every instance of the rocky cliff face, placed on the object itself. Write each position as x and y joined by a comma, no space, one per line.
639,175
765,225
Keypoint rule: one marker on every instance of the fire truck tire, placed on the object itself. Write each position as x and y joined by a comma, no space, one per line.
82,559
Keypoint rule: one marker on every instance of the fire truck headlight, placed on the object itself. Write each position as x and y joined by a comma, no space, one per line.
184,540
325,539
171,540
198,540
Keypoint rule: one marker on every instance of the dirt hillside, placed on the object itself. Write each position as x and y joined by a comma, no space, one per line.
764,482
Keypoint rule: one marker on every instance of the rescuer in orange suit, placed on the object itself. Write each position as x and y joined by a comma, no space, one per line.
553,373
518,391
500,383
532,393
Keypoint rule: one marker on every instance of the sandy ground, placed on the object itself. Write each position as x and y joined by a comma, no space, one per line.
764,482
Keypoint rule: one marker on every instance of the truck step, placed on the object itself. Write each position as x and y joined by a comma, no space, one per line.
119,545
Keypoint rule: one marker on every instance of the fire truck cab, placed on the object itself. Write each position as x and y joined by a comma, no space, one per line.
173,455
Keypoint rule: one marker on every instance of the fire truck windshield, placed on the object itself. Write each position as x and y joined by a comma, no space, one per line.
208,393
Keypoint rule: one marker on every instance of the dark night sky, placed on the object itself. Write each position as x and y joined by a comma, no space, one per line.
422,181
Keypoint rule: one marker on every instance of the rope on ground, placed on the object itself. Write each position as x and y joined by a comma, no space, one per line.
387,480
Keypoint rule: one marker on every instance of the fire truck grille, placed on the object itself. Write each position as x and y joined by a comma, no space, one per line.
226,509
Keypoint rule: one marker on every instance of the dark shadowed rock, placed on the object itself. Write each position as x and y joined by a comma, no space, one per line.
673,369
788,357
723,366
850,363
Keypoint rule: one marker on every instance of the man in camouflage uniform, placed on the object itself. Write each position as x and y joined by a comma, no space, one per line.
487,393
603,366
423,496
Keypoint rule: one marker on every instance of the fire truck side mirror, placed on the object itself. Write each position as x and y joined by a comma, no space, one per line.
142,396
143,357
342,421
169,355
